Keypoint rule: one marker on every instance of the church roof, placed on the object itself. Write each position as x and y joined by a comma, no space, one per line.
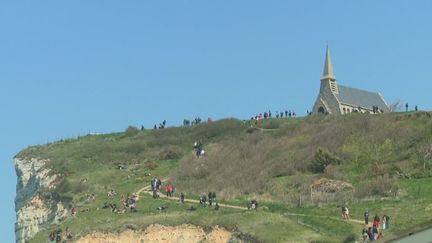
362,98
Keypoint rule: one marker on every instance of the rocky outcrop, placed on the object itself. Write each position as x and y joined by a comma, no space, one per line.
161,233
35,204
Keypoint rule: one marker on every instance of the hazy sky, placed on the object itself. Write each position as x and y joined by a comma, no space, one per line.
68,68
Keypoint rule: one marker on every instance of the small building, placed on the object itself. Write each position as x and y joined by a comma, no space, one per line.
337,99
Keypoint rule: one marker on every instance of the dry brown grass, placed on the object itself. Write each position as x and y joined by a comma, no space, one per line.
369,147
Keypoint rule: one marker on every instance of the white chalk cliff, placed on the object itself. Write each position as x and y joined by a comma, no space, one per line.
36,205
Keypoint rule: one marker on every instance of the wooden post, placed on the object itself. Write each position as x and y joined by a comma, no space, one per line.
311,194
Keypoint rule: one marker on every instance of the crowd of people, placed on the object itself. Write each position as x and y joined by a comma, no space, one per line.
129,204
161,125
374,232
193,122
268,114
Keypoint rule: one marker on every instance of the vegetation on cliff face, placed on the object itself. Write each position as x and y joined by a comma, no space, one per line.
275,161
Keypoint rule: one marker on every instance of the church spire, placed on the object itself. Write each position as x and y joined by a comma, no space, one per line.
328,67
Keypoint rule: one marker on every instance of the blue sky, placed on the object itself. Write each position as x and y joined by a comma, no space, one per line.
68,68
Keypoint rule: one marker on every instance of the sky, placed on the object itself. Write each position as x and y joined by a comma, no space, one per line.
69,68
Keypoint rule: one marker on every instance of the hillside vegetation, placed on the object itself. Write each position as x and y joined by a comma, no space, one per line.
387,159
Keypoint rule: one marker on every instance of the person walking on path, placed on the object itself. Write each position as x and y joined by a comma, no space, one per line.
182,198
385,222
210,198
376,221
366,217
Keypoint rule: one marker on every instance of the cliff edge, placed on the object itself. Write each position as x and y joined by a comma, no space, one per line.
35,204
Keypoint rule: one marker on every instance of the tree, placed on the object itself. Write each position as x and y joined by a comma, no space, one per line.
424,153
395,106
322,159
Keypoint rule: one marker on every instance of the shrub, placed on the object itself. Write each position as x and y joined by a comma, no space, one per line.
272,124
321,160
131,131
170,153
150,165
135,148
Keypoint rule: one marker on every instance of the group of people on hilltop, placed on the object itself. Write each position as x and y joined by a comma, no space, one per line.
370,233
267,115
161,125
195,121
376,109
129,204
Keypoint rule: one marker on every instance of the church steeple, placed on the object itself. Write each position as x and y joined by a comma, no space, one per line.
328,67
328,74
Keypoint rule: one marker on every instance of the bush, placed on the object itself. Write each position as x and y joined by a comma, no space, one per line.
150,165
170,153
272,124
135,148
131,131
321,160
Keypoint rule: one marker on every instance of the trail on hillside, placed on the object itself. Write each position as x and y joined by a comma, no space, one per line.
324,216
147,189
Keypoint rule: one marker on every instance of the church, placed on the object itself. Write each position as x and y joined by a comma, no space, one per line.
337,99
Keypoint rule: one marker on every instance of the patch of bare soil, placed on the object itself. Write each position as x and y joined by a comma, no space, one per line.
161,233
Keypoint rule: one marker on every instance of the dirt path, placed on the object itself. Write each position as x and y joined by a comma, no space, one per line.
148,190
324,216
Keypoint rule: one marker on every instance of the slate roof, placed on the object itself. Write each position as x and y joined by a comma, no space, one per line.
362,98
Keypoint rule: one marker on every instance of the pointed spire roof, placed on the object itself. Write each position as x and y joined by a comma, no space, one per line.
328,67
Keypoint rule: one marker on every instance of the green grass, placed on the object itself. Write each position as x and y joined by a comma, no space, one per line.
245,160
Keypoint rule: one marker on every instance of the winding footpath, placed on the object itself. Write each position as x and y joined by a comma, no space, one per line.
147,190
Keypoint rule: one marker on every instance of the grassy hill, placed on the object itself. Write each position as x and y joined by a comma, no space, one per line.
387,158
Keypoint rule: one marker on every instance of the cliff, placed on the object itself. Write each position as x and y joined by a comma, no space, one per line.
35,204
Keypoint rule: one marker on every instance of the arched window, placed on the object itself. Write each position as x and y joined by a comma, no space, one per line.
321,110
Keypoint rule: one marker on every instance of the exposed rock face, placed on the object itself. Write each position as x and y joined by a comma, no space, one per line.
34,208
161,233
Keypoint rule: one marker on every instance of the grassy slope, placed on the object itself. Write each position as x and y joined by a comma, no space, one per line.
245,160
